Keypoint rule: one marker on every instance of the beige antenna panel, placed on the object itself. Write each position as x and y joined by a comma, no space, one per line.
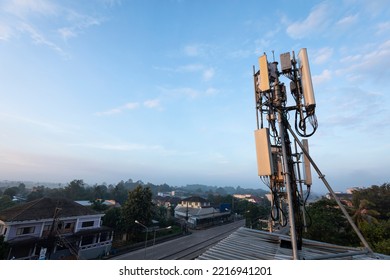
264,75
277,162
263,152
306,164
308,91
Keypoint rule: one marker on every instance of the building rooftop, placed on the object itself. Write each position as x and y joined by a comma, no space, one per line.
44,208
250,244
195,199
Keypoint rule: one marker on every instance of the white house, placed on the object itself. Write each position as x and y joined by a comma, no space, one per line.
49,228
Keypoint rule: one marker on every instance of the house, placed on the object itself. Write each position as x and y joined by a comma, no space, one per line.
345,198
109,203
168,202
196,212
249,197
49,228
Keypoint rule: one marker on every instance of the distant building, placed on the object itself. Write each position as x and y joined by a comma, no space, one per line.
49,228
109,203
197,213
249,197
166,194
168,202
345,198
351,190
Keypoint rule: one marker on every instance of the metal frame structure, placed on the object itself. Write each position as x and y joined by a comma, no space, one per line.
279,166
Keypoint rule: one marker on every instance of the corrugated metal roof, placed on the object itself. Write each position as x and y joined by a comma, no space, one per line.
250,244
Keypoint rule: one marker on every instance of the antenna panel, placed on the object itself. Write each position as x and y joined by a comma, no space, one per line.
263,152
306,164
307,85
285,62
264,75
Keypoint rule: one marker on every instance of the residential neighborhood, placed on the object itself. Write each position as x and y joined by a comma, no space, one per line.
64,224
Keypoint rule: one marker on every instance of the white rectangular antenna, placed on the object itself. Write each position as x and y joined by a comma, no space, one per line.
263,152
264,75
285,62
306,164
307,85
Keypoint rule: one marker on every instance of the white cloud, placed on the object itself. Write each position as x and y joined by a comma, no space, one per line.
348,20
131,105
5,32
120,109
211,91
352,107
367,66
190,68
120,147
25,8
322,55
188,92
383,28
40,19
192,50
208,74
111,3
241,53
66,33
326,75
40,39
152,103
261,45
184,91
198,49
315,21
77,23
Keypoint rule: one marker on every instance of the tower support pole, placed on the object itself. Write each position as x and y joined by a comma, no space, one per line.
287,177
322,177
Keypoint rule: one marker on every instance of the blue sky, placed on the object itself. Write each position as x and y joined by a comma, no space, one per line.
162,91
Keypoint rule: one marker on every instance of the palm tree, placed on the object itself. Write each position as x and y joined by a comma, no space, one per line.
363,214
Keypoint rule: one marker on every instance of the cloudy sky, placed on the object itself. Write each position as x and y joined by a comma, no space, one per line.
162,91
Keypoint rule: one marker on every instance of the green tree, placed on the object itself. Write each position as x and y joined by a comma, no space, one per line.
119,193
36,193
254,214
6,202
98,205
371,212
75,190
377,235
328,224
365,214
100,192
113,218
378,196
138,206
11,191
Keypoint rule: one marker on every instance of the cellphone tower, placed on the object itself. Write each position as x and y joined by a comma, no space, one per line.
283,160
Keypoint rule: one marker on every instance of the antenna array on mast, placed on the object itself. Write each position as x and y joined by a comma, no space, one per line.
286,168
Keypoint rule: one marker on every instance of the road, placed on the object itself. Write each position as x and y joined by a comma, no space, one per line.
185,248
